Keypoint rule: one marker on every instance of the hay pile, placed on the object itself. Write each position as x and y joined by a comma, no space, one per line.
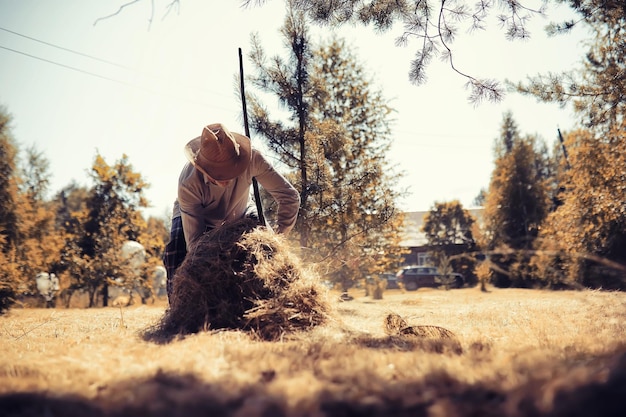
242,276
431,338
395,325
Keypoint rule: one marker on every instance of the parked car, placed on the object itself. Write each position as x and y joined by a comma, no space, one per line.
392,281
414,277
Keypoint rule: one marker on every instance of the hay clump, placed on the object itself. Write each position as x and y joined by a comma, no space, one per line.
242,276
436,338
395,325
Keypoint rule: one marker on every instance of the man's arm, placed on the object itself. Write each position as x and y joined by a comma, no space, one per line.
281,190
190,202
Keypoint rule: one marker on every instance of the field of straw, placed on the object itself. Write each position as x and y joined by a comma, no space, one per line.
455,353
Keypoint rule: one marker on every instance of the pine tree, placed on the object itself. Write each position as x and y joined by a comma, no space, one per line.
336,144
433,24
597,89
583,242
584,236
515,206
290,82
355,194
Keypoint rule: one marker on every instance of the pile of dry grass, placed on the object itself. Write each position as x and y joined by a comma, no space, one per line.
242,276
395,326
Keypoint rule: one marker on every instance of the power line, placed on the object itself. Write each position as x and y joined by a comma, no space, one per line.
65,49
108,78
84,55
441,135
65,66
412,133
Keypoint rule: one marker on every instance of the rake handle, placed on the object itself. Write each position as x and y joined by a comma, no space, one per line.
255,185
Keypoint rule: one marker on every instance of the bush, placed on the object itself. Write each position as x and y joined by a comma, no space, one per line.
9,284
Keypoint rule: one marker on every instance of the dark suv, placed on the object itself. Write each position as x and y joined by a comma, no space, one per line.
414,277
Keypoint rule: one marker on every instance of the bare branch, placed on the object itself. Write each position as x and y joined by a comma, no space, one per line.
168,9
151,14
249,3
171,6
122,7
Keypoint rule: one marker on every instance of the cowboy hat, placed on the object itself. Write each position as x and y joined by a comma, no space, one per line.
219,153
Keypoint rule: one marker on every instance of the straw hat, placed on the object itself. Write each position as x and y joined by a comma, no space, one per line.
219,153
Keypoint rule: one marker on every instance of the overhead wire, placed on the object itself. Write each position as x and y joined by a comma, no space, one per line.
88,55
64,48
148,90
66,66
132,85
103,77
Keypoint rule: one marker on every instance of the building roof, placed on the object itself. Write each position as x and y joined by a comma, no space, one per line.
413,221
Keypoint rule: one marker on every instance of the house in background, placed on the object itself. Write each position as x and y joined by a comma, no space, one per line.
415,240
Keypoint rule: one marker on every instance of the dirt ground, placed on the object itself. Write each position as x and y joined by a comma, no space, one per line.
510,353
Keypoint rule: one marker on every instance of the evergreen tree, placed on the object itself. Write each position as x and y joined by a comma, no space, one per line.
596,90
290,83
337,145
515,206
583,242
585,236
435,24
355,200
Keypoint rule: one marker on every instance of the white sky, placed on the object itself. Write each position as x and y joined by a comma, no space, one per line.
155,86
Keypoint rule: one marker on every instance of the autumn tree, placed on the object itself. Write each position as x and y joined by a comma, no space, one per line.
449,232
336,142
8,183
71,211
10,277
154,238
583,240
109,217
29,240
70,201
40,242
78,234
515,206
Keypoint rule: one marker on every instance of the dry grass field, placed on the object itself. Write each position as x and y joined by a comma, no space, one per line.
513,353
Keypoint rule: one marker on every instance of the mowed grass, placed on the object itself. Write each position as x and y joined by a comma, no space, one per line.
516,353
